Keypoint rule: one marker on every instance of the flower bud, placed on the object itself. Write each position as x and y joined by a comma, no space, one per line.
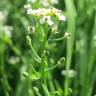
31,30
61,61
67,35
25,74
54,29
36,89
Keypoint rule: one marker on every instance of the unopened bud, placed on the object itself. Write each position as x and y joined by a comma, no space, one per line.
31,30
67,35
61,61
36,89
54,29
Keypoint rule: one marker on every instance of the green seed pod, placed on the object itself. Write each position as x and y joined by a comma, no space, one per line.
25,74
36,91
28,40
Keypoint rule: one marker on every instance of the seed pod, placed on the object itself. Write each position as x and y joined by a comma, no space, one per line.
28,40
25,74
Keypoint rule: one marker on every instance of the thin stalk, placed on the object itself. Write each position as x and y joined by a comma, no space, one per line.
71,29
51,68
35,54
46,92
55,40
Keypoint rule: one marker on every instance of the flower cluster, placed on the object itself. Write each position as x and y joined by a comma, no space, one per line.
45,14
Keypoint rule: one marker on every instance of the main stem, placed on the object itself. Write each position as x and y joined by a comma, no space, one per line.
43,58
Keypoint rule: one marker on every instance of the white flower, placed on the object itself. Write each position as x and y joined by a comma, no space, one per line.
46,13
27,6
50,22
71,73
13,60
62,17
29,11
46,19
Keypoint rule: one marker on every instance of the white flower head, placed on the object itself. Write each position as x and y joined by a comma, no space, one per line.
50,22
71,73
46,19
29,11
62,17
13,60
27,6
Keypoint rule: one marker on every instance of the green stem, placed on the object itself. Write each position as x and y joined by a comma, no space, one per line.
51,68
43,59
71,29
35,54
58,39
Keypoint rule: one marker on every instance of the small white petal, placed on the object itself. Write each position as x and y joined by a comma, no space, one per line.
61,17
50,22
42,21
29,11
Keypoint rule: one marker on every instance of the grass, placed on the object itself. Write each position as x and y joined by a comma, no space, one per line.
43,54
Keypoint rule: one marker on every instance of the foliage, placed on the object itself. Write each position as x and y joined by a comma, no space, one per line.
47,47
